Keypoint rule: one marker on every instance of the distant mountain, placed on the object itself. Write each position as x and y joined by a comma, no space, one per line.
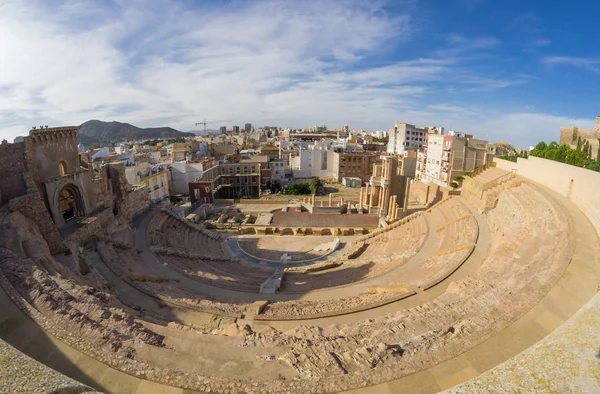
99,132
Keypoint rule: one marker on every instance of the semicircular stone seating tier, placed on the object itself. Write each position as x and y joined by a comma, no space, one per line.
529,251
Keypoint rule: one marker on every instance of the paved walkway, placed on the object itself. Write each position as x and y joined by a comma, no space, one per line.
574,289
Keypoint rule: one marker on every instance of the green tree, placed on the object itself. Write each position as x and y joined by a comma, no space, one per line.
579,143
314,185
275,186
299,189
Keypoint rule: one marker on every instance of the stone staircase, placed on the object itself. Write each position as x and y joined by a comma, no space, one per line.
489,182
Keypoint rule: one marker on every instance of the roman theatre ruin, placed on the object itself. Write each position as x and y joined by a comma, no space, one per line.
102,290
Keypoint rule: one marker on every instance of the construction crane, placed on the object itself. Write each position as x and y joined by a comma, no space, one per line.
205,123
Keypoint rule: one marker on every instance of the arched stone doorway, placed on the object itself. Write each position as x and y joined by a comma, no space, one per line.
70,204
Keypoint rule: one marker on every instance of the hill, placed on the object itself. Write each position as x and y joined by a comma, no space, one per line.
99,132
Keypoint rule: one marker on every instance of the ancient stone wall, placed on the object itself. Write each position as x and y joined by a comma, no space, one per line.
32,207
12,168
46,148
89,231
569,135
426,193
134,203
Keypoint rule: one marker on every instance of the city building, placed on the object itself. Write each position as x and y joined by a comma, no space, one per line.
272,152
223,130
235,129
228,180
447,156
404,135
248,127
183,151
355,165
157,181
500,149
316,161
280,170
183,173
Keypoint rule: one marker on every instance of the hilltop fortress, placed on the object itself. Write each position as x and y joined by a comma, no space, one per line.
570,134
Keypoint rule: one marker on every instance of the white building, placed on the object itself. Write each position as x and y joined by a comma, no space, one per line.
403,135
433,159
279,169
183,173
316,161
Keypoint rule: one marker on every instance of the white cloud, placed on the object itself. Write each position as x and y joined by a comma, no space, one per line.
272,62
592,64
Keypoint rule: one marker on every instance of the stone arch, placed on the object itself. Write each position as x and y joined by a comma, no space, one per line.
68,202
326,231
287,231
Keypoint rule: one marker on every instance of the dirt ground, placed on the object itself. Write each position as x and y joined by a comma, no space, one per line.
337,189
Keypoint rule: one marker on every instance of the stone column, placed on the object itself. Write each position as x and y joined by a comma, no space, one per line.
406,192
386,198
360,198
372,197
394,206
330,200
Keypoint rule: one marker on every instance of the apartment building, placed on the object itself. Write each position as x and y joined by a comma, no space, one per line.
183,173
404,135
355,165
158,184
228,180
445,157
316,161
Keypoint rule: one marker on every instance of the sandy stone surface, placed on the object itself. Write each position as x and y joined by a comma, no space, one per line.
566,361
22,374
530,250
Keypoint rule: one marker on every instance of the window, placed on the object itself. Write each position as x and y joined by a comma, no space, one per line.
62,168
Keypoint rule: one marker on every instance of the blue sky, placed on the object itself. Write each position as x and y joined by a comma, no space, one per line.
502,70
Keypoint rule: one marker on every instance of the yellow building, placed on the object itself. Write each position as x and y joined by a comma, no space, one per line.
158,185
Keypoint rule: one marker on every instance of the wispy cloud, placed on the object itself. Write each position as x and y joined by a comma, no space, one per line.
592,64
288,63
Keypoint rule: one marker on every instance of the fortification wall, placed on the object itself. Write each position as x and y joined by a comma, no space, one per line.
570,134
577,184
12,168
